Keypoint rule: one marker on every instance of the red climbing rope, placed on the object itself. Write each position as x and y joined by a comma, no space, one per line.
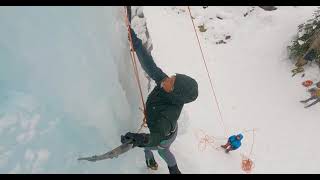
135,69
246,164
206,140
205,63
252,142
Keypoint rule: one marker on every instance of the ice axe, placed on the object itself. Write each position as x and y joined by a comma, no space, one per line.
123,148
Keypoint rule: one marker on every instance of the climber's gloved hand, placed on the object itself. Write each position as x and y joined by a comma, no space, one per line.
138,139
125,139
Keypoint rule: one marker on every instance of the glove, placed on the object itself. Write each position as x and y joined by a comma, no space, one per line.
137,139
125,139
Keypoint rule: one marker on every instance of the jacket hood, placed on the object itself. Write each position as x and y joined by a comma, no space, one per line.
185,89
241,136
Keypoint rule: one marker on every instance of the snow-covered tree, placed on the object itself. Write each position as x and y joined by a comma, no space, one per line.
307,33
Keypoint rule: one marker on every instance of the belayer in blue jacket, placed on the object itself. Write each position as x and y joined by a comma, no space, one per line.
234,142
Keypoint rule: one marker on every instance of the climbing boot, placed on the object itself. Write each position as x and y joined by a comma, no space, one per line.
152,164
224,146
174,170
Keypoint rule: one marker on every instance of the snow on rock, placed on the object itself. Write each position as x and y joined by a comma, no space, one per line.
300,42
138,24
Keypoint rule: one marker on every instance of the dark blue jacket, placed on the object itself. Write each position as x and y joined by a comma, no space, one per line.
163,109
162,114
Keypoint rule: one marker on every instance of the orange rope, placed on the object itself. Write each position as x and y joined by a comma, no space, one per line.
247,164
214,94
252,142
135,69
207,141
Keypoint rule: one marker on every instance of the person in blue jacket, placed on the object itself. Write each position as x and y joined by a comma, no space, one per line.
234,142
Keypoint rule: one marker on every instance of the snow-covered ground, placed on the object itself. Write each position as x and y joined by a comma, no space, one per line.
67,88
253,83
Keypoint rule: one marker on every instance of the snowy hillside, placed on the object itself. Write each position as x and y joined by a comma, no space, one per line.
253,83
67,88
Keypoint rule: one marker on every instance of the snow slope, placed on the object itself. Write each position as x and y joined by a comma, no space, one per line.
253,83
67,88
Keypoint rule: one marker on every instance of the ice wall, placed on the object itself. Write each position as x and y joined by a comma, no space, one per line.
66,89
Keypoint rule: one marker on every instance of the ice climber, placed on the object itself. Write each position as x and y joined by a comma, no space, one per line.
163,108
